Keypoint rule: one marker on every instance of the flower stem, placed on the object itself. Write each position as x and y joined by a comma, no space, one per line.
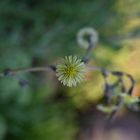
11,72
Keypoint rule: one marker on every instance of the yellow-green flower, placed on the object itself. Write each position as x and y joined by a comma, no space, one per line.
71,71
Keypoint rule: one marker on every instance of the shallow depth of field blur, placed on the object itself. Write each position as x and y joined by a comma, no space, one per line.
40,32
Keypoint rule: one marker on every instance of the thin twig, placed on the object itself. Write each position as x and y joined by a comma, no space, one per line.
88,51
11,72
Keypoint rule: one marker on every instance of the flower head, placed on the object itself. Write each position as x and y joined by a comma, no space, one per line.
71,71
85,35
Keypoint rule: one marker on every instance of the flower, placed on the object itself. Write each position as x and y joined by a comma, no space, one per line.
86,36
71,71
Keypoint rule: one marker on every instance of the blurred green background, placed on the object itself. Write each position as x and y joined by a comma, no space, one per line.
38,32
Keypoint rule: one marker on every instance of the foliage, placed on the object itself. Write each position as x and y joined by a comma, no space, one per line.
34,32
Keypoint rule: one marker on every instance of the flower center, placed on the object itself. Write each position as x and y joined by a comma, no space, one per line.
70,71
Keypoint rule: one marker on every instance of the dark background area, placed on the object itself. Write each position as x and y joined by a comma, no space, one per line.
39,32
